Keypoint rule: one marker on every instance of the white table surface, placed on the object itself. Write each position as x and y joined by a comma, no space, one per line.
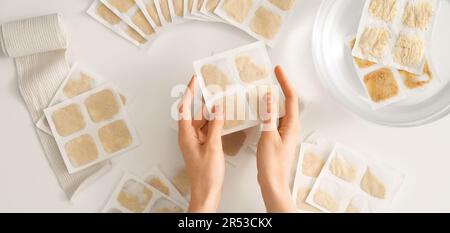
27,182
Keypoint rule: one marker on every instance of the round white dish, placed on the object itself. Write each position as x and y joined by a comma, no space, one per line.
335,22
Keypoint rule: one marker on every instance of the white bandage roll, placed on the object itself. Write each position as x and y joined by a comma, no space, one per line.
33,35
2,49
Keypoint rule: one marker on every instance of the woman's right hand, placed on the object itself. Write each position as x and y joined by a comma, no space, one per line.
276,149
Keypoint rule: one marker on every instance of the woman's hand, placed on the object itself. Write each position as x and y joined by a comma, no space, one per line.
201,144
276,149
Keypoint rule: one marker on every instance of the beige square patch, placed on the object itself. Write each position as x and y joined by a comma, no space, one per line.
250,72
211,5
106,14
312,165
134,196
412,81
151,9
266,23
381,85
233,143
418,15
325,200
81,150
199,4
77,86
352,209
140,21
166,10
115,136
163,205
374,42
190,5
158,184
122,5
409,50
302,194
68,120
372,185
215,79
238,9
384,10
102,106
343,169
178,6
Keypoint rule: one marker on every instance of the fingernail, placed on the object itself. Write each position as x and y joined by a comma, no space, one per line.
218,112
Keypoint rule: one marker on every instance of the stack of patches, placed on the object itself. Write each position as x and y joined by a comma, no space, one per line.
153,193
88,120
392,50
139,21
335,179
238,80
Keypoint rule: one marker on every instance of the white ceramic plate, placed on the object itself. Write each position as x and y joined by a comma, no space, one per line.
336,20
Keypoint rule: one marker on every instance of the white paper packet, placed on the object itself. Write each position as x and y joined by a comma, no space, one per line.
407,84
397,33
239,79
196,10
188,10
311,160
164,11
351,182
79,80
188,7
156,178
133,16
262,19
108,18
208,8
177,11
169,13
151,12
313,154
133,195
91,128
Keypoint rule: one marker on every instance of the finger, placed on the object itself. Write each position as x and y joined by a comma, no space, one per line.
269,114
185,120
215,125
199,118
292,111
200,124
288,90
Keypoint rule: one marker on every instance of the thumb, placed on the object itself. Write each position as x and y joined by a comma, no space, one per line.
269,115
215,125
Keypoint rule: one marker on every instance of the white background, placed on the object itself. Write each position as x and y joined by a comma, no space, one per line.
27,183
